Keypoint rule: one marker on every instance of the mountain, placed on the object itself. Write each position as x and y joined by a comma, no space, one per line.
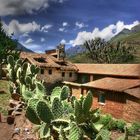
72,51
128,35
22,48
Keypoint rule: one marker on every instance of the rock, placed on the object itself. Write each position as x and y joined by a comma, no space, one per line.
10,119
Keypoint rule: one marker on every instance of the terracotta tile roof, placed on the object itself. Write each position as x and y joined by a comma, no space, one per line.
49,61
134,92
132,70
113,84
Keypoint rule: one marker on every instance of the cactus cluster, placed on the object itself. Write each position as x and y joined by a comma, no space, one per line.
49,115
23,79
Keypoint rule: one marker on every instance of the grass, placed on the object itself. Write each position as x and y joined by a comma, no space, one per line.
4,97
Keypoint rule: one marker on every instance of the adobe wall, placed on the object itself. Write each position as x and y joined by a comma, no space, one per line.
56,76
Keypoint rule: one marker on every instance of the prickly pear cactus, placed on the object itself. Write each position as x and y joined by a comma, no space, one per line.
45,132
28,80
24,67
27,95
78,112
72,99
87,102
31,113
56,93
32,68
19,62
65,92
32,116
75,133
57,108
44,112
40,89
104,134
11,60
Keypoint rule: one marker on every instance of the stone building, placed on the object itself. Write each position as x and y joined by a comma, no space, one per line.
53,65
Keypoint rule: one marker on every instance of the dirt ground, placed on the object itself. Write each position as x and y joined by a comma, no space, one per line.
6,130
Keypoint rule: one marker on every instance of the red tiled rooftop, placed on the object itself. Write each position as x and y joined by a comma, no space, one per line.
113,84
132,70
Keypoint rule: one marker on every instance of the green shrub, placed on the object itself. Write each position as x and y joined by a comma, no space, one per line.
121,125
134,128
105,119
112,125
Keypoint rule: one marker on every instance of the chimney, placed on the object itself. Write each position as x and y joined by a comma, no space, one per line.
61,52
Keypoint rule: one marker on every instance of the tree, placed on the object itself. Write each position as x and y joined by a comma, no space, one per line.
7,47
101,51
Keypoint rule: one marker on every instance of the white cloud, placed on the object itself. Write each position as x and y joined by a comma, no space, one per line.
71,42
106,33
16,7
29,40
64,24
63,41
80,25
61,29
42,39
20,28
46,27
25,35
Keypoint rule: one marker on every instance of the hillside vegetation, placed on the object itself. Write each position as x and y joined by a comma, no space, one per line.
130,37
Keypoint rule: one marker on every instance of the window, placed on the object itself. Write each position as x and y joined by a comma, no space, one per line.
101,98
42,71
40,60
70,74
63,74
50,72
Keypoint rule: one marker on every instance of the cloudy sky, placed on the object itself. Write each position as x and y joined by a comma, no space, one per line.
42,24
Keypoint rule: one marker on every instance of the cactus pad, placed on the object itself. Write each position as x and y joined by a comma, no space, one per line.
87,103
75,133
32,116
44,112
57,108
64,93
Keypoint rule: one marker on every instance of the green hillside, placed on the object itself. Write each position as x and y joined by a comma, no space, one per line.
133,39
